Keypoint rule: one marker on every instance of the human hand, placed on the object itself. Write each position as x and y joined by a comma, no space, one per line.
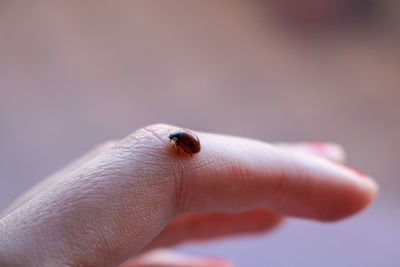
127,197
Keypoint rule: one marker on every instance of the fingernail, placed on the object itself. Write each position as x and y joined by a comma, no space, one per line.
317,146
329,150
215,261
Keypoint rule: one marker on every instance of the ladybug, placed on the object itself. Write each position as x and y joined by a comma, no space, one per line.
187,141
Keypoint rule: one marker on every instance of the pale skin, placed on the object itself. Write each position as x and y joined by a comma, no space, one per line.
123,201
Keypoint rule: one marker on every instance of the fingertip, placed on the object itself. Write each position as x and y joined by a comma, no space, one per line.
352,191
366,192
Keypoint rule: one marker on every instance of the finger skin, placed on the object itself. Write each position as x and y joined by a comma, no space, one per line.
53,178
208,226
114,205
238,174
193,227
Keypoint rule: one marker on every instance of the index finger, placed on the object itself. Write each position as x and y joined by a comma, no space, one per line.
232,174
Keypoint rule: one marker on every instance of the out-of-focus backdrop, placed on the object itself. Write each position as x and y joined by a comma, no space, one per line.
77,73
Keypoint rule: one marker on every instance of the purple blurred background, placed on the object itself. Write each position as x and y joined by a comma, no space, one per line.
74,74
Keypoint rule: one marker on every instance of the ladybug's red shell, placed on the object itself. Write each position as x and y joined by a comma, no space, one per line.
187,141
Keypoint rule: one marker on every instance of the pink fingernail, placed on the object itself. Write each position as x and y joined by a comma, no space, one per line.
318,147
220,262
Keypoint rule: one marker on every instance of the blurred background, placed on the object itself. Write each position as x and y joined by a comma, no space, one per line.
74,74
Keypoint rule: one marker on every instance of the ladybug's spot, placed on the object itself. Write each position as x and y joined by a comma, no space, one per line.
191,143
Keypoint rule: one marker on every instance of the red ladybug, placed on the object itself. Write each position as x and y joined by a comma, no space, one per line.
187,141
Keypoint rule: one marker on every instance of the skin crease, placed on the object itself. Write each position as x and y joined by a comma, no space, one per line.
138,193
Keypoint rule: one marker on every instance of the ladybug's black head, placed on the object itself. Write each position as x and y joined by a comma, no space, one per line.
174,136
